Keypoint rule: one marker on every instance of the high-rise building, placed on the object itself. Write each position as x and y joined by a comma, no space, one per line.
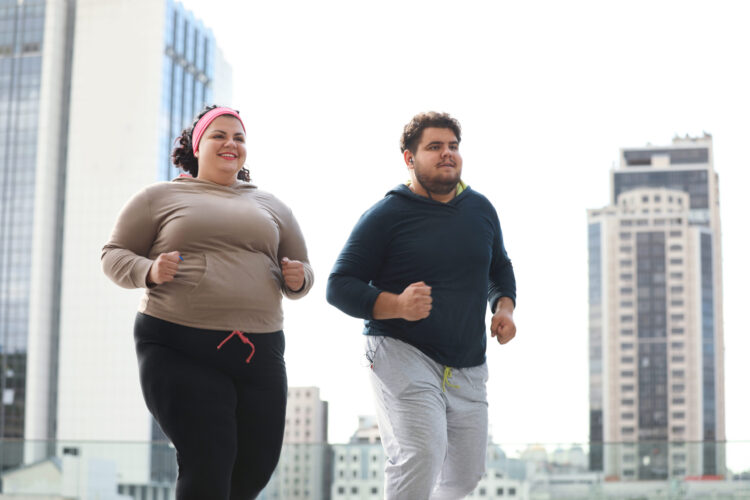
304,468
35,64
92,94
655,316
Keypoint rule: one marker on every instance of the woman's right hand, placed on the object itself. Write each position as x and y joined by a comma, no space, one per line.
164,268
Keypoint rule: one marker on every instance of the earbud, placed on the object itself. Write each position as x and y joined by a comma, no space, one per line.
411,160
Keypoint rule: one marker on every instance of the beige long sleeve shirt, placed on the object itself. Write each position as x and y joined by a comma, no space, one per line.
231,239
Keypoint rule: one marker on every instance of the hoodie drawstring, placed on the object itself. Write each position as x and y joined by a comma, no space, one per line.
244,340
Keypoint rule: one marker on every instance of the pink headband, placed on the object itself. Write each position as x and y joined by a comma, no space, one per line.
206,120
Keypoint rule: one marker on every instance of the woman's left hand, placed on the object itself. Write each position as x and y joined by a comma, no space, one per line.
294,273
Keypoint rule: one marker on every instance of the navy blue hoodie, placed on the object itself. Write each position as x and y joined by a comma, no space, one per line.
456,248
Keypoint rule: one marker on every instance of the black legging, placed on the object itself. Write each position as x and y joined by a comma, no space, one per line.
224,416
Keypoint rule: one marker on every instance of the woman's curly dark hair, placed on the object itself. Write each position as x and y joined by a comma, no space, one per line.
182,154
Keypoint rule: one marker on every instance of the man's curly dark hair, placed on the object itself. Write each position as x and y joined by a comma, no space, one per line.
413,130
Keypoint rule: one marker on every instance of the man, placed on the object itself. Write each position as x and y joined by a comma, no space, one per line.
418,267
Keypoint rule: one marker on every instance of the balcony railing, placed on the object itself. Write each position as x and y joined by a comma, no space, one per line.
88,470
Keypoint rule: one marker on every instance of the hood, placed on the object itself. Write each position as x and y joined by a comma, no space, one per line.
403,190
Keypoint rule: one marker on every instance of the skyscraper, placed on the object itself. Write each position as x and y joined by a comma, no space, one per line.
655,316
35,64
92,94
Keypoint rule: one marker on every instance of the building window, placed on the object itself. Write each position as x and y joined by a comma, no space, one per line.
628,387
678,401
626,303
374,490
678,345
627,359
626,235
677,303
500,492
677,317
675,276
625,346
511,492
628,402
626,318
678,331
678,415
675,234
677,289
678,373
678,359
627,373
627,416
626,290
678,429
678,387
626,276
626,263
482,492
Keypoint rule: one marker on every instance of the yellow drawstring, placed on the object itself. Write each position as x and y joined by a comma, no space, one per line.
448,373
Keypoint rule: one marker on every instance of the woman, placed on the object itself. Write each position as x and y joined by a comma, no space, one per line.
215,255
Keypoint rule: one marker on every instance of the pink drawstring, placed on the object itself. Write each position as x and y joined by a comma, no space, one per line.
244,340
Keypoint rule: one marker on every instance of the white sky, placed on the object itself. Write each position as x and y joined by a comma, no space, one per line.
547,92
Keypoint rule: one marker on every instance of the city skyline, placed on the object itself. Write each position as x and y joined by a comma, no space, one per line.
547,97
325,90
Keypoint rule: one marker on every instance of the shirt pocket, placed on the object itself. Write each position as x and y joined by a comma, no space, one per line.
236,281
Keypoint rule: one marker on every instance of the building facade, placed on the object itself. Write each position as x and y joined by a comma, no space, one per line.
35,64
92,94
655,317
304,469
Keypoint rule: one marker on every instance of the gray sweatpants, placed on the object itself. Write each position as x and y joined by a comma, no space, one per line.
432,419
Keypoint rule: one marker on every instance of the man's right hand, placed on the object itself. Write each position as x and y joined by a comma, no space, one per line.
415,302
164,268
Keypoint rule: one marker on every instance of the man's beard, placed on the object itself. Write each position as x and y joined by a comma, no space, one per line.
436,186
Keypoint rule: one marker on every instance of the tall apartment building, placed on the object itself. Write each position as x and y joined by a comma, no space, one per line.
655,316
304,469
92,94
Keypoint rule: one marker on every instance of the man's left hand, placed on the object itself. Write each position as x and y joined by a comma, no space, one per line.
294,274
503,327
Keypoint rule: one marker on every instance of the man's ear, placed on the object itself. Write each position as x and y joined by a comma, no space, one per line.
409,159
